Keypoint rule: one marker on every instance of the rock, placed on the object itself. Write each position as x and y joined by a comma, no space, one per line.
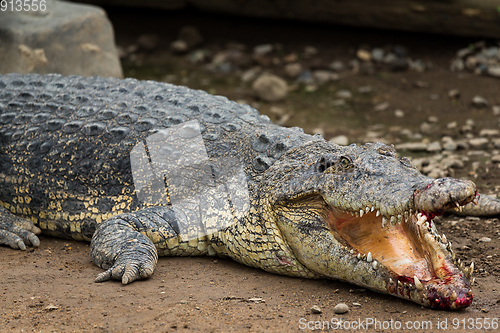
412,146
495,158
493,70
354,65
434,97
470,122
341,140
462,53
310,51
198,56
485,239
416,65
316,309
421,84
251,74
293,69
434,147
341,308
479,101
485,132
451,161
450,145
65,38
263,49
270,88
381,106
425,128
344,93
324,76
399,113
437,173
496,110
432,119
148,42
337,66
452,125
305,77
364,55
190,35
496,143
365,89
179,46
457,65
478,143
378,54
454,94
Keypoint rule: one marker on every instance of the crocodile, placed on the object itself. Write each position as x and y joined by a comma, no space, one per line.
143,169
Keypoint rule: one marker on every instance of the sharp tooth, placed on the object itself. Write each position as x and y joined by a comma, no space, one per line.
475,201
372,209
367,209
359,256
361,212
457,204
357,214
352,251
443,239
419,216
390,281
393,221
369,257
461,208
406,215
471,268
472,282
400,284
418,284
400,218
375,264
378,213
384,221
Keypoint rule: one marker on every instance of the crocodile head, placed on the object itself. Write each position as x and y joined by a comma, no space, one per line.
363,215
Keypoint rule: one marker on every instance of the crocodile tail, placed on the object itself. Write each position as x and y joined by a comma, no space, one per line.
486,206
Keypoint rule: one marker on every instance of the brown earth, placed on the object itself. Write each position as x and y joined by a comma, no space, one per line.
51,288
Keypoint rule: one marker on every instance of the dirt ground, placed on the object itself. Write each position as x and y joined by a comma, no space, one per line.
51,288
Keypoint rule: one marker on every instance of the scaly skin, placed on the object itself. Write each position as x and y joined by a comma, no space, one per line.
143,169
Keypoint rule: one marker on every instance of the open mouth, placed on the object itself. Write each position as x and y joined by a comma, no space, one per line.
420,262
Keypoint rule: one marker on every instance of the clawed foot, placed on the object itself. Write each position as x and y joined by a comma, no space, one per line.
127,270
17,232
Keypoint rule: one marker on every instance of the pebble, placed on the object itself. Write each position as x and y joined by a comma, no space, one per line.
354,65
479,101
341,140
399,113
148,42
452,125
344,93
496,143
485,239
495,158
494,70
251,74
416,65
496,110
479,143
316,309
337,66
449,145
378,54
369,89
340,308
454,94
412,146
190,35
381,106
364,55
293,69
432,119
457,65
270,88
263,49
179,46
489,132
324,76
425,128
310,51
306,77
421,84
434,147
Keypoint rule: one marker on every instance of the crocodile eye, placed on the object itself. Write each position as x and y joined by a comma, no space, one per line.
345,162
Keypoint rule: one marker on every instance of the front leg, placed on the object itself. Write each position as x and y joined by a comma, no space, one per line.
125,253
17,232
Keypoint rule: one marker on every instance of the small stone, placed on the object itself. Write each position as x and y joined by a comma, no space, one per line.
485,239
378,54
340,308
479,101
251,74
337,66
416,65
486,132
316,309
434,147
457,65
51,307
496,110
434,97
496,143
344,93
324,76
148,42
179,46
449,145
354,65
340,140
367,90
305,77
452,125
432,119
479,143
470,122
412,146
494,70
454,94
425,128
310,51
390,58
269,87
381,106
495,158
364,55
263,49
399,113
293,69
421,84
